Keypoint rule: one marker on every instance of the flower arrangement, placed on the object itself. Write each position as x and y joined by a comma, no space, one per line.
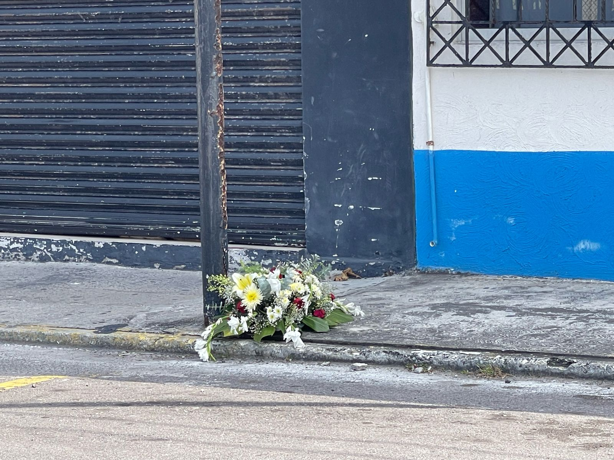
286,298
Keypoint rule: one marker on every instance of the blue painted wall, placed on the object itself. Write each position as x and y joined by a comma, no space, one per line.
518,213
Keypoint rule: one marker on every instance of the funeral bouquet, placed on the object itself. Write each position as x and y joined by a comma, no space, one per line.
259,302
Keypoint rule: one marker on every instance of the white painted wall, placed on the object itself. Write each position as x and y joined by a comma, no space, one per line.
533,110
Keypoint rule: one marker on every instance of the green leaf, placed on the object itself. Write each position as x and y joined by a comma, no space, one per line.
317,324
266,332
264,286
331,321
340,317
285,284
218,329
281,327
222,328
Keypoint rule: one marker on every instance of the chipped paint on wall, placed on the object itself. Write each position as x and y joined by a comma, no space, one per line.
157,255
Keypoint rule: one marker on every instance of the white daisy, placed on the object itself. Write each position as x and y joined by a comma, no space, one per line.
252,297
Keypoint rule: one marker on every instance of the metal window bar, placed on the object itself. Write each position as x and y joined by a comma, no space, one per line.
581,35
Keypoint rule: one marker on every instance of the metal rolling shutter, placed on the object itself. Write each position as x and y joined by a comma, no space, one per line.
98,131
263,121
98,119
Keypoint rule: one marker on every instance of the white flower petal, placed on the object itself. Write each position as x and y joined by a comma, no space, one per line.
354,310
275,285
294,336
234,324
204,354
207,331
199,345
244,326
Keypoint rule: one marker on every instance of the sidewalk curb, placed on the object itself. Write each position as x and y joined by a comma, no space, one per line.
140,341
456,360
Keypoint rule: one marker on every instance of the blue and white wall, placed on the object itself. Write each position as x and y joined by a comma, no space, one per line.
524,169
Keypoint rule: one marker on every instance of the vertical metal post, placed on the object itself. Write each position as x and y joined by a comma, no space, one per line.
213,229
548,25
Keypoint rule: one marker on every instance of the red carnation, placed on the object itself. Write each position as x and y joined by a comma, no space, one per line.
319,313
241,308
298,302
273,269
332,296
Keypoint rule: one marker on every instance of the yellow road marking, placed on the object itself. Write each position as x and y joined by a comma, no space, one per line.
27,381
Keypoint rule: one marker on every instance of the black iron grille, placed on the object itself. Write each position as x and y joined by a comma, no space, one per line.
520,33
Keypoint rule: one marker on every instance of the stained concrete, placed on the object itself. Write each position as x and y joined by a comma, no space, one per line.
559,317
80,418
574,317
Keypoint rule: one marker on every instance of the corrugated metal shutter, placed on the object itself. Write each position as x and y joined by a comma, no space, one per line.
98,121
263,121
98,131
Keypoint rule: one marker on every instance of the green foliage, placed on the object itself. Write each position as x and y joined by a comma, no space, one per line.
265,332
331,321
316,324
293,308
491,372
220,327
336,317
264,286
218,283
252,267
313,265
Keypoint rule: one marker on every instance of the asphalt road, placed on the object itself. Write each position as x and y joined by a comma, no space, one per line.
133,405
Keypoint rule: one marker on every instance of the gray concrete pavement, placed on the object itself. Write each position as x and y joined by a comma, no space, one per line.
574,317
83,419
91,296
549,316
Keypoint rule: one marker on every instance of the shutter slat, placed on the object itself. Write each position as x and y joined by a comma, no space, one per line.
98,119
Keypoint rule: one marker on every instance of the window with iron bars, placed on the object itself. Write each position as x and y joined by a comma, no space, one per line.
520,33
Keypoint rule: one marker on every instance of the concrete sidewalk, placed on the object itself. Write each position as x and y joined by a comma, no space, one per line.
547,326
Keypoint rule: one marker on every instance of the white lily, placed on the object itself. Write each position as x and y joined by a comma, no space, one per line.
234,323
354,310
243,327
199,345
275,285
206,332
242,282
274,281
294,336
203,354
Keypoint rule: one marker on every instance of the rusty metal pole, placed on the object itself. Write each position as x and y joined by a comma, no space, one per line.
214,221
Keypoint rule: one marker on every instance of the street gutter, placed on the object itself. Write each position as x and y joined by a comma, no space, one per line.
453,359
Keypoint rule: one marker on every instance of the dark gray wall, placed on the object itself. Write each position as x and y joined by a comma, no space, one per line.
357,127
